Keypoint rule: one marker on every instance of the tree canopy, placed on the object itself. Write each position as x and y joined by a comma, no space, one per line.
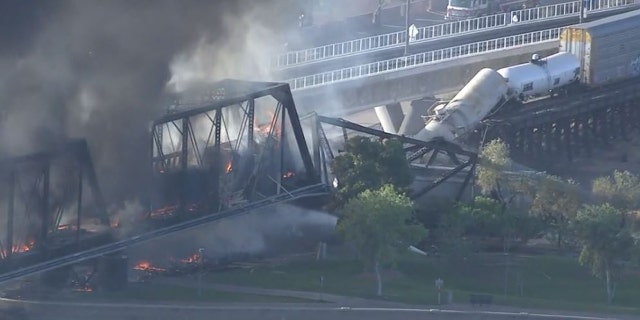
369,164
606,238
492,176
621,189
556,202
380,224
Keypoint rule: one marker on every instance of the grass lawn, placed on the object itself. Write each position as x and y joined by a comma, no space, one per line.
165,292
547,282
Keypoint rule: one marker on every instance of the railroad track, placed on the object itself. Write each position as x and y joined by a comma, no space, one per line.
551,109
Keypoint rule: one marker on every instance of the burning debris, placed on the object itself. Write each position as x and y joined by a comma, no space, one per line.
194,258
288,174
18,248
228,167
146,266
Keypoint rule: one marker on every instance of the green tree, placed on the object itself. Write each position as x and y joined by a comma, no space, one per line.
492,178
486,219
556,202
381,225
621,189
606,239
369,164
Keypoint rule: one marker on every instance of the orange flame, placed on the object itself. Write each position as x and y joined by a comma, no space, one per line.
115,222
192,259
23,247
67,227
18,248
164,211
266,128
288,174
146,266
228,167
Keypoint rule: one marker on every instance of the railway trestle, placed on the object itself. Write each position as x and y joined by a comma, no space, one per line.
572,127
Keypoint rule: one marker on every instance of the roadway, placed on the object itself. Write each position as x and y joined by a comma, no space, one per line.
53,309
429,45
360,26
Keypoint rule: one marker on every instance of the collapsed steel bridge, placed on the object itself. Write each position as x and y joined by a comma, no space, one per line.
229,152
223,154
330,134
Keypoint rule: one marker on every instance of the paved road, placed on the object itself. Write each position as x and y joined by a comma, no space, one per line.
392,20
338,307
361,26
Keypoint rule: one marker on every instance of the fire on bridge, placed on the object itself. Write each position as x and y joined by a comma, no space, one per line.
241,145
240,149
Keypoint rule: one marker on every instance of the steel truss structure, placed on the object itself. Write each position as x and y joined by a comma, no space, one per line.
570,125
50,205
241,149
427,158
243,144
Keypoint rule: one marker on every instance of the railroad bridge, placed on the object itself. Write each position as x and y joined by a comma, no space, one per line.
232,151
573,126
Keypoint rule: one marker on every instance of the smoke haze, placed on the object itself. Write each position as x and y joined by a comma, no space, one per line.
100,70
275,230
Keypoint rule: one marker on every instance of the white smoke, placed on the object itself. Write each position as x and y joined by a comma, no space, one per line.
278,229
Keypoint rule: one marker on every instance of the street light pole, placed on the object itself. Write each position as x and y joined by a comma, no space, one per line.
406,27
581,10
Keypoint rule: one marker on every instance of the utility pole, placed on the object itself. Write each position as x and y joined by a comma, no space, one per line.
581,10
406,27
583,4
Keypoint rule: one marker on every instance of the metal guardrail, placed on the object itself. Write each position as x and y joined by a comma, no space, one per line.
448,29
423,59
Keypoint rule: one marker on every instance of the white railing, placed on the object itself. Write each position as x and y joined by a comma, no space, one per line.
423,59
449,29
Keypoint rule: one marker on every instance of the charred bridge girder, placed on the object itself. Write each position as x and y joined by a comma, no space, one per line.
243,145
241,150
51,204
330,135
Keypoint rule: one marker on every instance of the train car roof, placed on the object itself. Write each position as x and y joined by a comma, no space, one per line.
624,21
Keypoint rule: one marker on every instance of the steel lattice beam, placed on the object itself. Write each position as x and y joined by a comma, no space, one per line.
415,150
31,193
240,158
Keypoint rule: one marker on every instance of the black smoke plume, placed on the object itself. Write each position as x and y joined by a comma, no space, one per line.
100,70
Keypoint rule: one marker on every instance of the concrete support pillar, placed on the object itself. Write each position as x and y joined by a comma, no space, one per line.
390,117
413,121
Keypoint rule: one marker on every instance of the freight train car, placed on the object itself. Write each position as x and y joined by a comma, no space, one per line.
608,49
485,91
600,53
542,77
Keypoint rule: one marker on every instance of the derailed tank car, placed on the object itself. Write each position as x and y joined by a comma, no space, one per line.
486,90
541,77
608,49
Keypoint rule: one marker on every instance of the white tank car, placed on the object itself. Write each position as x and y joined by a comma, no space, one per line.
541,77
475,101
